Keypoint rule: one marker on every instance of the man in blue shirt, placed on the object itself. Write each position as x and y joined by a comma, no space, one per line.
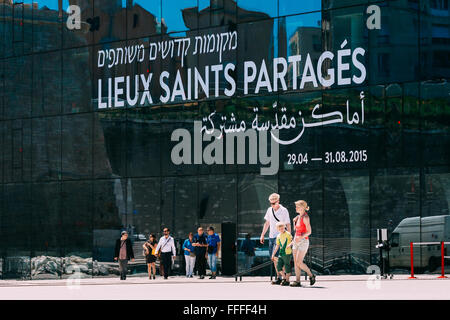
213,241
200,244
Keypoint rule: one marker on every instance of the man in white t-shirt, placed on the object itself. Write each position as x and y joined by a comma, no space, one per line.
275,213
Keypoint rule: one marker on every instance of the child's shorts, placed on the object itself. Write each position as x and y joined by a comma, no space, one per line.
284,261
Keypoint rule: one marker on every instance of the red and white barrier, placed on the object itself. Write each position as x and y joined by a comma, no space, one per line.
443,257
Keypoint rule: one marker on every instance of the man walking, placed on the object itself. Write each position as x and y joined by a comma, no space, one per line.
122,253
213,248
168,252
200,243
274,214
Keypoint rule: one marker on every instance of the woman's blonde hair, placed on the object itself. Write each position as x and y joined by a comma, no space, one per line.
302,203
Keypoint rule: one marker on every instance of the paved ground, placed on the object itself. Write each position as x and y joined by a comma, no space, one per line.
253,288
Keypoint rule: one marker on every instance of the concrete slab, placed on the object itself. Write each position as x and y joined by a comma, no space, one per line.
359,287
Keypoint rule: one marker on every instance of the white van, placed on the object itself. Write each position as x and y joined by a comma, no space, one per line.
416,229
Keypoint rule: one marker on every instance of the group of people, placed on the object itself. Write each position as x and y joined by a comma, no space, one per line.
282,246
201,248
198,249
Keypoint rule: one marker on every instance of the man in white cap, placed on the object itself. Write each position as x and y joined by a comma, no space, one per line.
274,214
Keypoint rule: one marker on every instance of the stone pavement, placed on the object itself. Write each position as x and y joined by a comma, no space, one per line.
343,287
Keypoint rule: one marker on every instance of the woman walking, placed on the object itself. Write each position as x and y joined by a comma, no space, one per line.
150,257
189,255
300,244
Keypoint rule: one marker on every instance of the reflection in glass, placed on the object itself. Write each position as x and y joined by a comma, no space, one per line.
144,18
18,87
46,223
398,34
394,196
77,146
174,12
288,7
76,199
249,10
346,223
74,37
47,84
109,20
253,192
109,158
435,106
46,149
77,80
257,40
143,142
15,233
47,25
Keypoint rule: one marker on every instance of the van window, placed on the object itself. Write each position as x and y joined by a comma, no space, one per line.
395,239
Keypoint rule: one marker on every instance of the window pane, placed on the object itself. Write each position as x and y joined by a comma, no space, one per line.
174,13
394,196
77,37
77,80
46,261
144,18
257,42
346,223
436,129
17,152
16,231
143,142
287,7
47,25
77,146
77,237
253,192
46,148
398,34
47,84
18,87
250,10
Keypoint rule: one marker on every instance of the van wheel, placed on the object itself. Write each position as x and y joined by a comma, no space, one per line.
433,263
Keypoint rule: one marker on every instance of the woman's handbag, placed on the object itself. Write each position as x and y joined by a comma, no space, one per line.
146,251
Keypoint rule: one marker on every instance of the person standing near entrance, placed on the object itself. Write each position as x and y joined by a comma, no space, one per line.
300,244
274,214
150,257
200,244
122,253
213,248
248,247
189,255
168,252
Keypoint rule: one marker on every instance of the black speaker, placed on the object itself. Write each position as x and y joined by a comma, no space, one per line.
228,248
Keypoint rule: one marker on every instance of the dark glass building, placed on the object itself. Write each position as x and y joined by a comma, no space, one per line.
108,107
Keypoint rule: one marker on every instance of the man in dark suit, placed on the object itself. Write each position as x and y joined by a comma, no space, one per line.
200,243
123,253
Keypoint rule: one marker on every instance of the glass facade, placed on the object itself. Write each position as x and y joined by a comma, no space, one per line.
91,117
